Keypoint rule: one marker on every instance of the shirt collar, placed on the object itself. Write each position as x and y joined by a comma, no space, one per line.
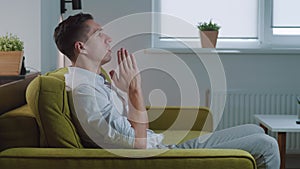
77,76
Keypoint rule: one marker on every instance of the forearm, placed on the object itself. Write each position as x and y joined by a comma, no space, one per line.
138,117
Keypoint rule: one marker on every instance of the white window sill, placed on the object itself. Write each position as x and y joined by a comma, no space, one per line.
223,51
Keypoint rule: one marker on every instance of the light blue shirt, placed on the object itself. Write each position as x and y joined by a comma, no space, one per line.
101,113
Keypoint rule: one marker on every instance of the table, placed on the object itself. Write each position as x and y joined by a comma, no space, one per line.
281,124
12,90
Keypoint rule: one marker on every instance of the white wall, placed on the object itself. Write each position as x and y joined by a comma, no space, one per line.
23,18
33,21
50,16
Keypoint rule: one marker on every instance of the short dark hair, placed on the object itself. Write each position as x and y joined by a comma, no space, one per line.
71,30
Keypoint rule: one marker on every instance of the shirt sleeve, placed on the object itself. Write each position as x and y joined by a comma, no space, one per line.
100,118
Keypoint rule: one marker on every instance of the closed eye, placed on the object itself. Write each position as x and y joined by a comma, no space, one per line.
99,32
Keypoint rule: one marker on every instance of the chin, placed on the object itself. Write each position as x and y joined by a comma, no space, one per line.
103,62
106,59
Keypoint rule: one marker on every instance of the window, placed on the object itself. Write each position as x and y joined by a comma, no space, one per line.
286,20
244,23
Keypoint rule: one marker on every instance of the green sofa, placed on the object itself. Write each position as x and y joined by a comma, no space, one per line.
41,134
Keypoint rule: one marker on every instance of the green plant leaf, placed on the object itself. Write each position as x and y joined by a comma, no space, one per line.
10,42
204,26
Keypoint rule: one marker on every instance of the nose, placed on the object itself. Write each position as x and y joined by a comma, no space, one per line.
108,39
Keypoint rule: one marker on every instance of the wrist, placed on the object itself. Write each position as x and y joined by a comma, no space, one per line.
134,90
136,100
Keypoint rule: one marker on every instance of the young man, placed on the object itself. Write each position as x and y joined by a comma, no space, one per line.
107,120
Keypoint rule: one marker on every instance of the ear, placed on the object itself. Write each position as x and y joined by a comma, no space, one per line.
79,47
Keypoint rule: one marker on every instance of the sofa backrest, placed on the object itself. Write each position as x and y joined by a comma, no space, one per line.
18,128
47,98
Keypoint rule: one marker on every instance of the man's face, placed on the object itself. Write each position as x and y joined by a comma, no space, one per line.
97,46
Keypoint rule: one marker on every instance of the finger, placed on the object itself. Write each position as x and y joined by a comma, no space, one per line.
129,63
119,57
113,76
124,60
120,64
111,73
126,53
121,54
134,65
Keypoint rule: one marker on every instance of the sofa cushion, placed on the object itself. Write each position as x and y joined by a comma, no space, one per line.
171,118
49,158
46,95
18,128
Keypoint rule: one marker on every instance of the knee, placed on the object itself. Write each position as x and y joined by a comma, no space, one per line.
254,128
269,149
267,142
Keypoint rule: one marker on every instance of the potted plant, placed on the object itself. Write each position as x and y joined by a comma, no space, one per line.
11,55
208,34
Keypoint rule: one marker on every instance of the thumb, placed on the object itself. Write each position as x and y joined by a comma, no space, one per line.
113,75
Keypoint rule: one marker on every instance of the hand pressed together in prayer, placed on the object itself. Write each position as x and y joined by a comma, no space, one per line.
129,81
128,78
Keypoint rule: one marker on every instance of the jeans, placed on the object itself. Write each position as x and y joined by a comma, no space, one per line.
249,137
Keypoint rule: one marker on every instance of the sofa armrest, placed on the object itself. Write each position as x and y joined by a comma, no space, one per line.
180,118
100,158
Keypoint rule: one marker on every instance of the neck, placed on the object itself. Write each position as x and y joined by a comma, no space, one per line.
85,63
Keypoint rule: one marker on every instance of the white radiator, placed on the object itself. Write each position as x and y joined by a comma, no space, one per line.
241,105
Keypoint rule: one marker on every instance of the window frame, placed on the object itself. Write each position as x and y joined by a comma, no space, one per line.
265,39
290,41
